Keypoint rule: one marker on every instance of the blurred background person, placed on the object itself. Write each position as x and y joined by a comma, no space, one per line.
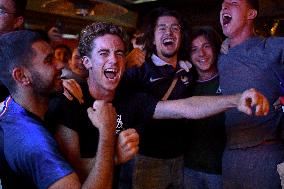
136,57
11,18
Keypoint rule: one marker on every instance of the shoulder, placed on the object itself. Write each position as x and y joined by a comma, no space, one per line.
31,135
273,43
275,40
32,151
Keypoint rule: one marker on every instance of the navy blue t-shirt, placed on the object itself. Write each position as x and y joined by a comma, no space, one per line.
31,153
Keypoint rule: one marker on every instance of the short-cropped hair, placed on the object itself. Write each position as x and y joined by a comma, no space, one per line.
15,51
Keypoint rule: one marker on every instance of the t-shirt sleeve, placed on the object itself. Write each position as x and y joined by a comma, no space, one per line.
36,155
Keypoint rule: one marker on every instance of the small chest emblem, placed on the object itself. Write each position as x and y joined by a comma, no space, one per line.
119,125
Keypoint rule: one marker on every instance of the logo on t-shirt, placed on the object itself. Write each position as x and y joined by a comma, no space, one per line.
119,124
219,91
155,79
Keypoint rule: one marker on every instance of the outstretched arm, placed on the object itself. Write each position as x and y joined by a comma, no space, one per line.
199,107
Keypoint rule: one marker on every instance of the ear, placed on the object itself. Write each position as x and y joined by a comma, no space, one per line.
19,22
87,62
20,77
252,14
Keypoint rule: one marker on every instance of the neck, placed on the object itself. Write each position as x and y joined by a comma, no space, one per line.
171,60
35,104
101,94
246,33
207,75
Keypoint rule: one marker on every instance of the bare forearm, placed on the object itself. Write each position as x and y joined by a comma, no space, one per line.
101,175
196,107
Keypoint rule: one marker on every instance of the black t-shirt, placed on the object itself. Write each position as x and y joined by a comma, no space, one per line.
159,138
130,111
206,138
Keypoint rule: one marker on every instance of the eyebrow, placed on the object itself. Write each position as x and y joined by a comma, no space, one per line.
103,50
107,50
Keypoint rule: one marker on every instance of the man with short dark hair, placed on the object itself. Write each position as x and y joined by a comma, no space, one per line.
29,155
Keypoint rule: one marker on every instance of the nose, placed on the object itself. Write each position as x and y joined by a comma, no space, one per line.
168,29
59,65
201,52
224,6
113,58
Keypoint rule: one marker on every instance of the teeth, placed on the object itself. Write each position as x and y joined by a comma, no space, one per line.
202,61
226,19
110,70
227,15
168,41
110,73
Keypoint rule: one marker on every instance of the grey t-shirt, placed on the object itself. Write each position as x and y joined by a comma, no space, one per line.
256,63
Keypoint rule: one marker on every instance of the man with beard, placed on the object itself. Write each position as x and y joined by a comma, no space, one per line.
160,162
254,146
29,155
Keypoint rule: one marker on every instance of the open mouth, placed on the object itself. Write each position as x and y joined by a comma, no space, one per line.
168,42
110,73
202,60
226,19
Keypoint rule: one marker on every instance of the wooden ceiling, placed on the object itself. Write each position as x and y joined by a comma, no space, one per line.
199,12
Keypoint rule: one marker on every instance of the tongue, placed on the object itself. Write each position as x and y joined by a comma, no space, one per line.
226,20
110,75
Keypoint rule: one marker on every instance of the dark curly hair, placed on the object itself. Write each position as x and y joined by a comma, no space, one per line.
91,32
149,30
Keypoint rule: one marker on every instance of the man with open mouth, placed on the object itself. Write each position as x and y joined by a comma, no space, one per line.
254,146
160,162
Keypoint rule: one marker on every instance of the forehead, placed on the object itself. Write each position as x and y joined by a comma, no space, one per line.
200,39
75,52
108,41
239,1
167,20
61,49
7,4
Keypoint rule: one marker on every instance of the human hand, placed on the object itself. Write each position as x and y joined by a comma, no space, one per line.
72,89
135,58
127,145
54,34
252,98
103,116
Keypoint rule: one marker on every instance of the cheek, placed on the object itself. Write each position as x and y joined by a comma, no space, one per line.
122,65
193,57
210,53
